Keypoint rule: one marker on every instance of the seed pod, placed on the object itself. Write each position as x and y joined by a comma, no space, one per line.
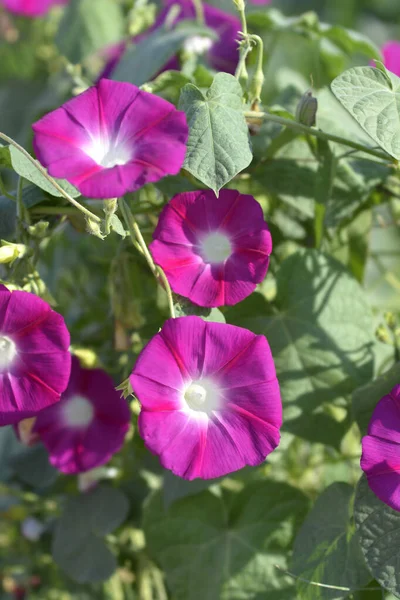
306,110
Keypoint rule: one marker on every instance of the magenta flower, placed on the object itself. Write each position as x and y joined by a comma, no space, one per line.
381,450
88,425
34,358
210,398
221,54
31,8
213,250
112,139
391,57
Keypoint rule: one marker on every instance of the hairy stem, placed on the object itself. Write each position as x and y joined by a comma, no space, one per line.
140,244
295,126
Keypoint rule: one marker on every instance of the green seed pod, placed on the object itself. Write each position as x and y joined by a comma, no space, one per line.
306,110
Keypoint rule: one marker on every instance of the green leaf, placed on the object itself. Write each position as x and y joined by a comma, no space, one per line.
326,549
185,308
218,146
168,85
227,546
117,226
31,465
372,97
175,488
31,196
78,547
88,26
350,41
142,62
378,528
5,158
321,337
382,272
23,167
8,216
323,186
366,398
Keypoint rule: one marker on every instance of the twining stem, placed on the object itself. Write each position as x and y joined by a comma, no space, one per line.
316,133
245,45
258,77
140,244
54,183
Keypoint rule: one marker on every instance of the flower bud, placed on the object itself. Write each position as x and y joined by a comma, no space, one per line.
94,228
39,230
10,252
306,110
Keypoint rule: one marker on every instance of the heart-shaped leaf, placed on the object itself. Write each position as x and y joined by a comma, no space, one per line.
218,147
372,96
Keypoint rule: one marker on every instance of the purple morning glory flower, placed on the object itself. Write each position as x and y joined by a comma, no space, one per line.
210,398
381,450
88,425
34,359
213,250
112,139
31,8
391,57
222,54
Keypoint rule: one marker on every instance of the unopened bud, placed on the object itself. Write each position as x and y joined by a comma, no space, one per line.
39,230
93,227
10,252
306,110
87,358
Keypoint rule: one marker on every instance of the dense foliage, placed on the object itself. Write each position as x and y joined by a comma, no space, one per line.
288,134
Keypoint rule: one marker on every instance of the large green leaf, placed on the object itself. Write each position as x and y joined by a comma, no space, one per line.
366,398
88,26
326,549
226,547
142,62
378,528
320,332
373,98
218,146
78,547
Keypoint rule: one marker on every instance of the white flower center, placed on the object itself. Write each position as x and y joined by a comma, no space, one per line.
108,154
8,352
78,412
197,44
216,247
203,396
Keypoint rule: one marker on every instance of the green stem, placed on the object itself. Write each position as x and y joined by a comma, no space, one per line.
20,209
139,243
4,191
258,77
317,133
198,6
54,183
110,206
245,46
